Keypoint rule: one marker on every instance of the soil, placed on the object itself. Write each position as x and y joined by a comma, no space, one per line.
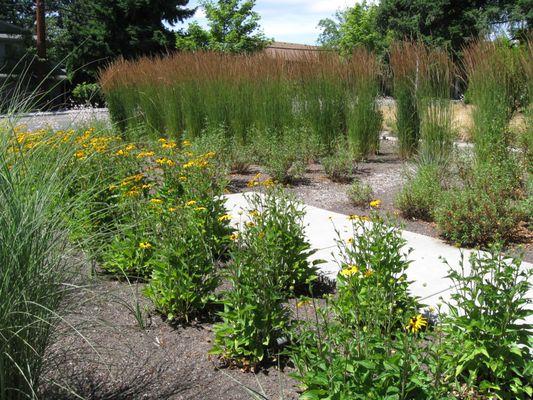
101,351
385,173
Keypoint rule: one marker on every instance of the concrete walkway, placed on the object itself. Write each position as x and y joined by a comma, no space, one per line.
427,270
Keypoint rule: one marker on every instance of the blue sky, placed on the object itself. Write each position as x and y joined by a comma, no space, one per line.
289,20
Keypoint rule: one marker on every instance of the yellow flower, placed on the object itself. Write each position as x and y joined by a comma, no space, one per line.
121,152
254,213
172,209
233,237
133,192
162,140
250,224
302,303
165,161
200,209
112,187
183,179
369,273
145,154
375,203
145,245
416,323
130,147
190,203
79,154
353,217
349,270
186,143
168,145
156,201
225,217
349,240
146,186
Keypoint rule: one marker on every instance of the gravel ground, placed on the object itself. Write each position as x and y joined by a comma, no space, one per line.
62,119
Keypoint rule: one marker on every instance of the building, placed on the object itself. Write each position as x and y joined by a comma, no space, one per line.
293,51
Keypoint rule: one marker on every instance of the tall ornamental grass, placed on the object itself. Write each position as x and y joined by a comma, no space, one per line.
364,117
435,91
495,84
33,263
187,93
405,57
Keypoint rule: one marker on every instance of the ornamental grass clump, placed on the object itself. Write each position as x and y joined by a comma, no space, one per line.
268,265
36,261
364,119
405,58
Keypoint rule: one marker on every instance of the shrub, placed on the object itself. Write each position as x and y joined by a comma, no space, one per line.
486,322
281,156
360,194
367,342
88,94
421,194
340,166
472,216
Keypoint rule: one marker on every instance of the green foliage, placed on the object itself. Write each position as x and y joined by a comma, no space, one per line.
351,28
34,249
486,322
477,215
421,194
360,194
184,275
361,344
233,27
364,119
268,264
93,33
88,94
341,165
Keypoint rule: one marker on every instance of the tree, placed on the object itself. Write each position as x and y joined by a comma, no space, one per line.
353,27
97,31
233,27
450,23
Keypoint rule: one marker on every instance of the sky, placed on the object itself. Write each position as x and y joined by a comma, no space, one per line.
294,21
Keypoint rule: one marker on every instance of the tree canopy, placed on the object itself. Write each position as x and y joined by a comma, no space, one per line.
233,26
445,23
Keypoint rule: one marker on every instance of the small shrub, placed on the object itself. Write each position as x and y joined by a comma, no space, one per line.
471,216
421,193
88,94
360,194
340,166
128,256
485,322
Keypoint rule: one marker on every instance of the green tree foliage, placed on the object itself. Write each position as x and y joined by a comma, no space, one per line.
94,32
353,27
452,23
233,27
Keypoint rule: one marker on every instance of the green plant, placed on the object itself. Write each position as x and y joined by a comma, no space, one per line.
88,94
483,210
367,342
364,118
405,60
268,264
421,194
360,194
36,262
486,322
184,275
339,166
